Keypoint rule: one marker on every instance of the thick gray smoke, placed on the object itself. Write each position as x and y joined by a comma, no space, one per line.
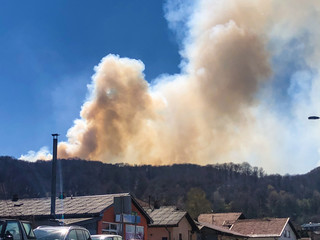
249,79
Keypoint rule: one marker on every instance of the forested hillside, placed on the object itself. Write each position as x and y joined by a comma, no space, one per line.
217,188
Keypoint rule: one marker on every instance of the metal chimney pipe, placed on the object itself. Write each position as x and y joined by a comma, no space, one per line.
54,174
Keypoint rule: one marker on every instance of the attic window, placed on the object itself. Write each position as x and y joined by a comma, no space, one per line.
286,233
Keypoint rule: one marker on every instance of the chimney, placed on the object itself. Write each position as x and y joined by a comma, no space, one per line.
54,175
15,198
156,204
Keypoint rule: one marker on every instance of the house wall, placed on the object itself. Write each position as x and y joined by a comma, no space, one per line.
284,236
257,238
157,233
226,237
207,234
109,216
184,228
292,235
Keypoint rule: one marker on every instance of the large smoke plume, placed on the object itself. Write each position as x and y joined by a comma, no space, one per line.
248,70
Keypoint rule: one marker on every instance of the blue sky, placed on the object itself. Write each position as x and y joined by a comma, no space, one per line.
48,50
224,80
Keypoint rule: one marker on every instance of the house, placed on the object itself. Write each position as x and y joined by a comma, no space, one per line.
97,213
170,223
311,230
234,226
267,228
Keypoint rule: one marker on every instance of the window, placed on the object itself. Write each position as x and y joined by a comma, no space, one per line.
80,235
134,232
286,233
86,235
164,238
72,235
28,229
111,228
14,230
1,224
180,236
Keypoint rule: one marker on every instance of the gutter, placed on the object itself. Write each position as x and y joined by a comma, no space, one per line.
168,232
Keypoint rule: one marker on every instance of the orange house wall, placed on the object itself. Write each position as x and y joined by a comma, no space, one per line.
109,216
184,228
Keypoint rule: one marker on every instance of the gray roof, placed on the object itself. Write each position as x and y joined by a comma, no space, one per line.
72,221
82,205
165,215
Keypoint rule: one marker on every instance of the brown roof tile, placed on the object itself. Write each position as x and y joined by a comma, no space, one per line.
220,229
220,219
271,227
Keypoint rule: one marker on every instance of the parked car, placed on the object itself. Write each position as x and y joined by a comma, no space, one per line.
62,233
12,229
106,237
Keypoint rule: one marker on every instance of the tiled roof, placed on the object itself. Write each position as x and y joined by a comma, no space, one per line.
220,219
72,221
88,205
165,215
220,229
271,227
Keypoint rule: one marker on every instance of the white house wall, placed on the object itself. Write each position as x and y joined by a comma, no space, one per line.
292,235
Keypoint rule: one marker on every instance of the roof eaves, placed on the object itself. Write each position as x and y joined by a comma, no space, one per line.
191,221
222,230
107,207
162,225
185,213
284,226
144,213
263,236
293,228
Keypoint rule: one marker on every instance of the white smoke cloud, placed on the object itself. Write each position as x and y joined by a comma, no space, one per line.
32,156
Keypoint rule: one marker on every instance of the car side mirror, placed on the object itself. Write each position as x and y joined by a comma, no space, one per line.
8,236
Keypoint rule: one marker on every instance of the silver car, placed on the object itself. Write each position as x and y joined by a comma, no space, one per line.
62,233
106,237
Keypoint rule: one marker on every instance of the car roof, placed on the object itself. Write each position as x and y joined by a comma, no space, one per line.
105,235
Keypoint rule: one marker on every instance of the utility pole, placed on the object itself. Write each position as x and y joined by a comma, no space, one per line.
54,174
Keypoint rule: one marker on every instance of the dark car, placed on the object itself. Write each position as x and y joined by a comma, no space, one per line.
12,229
62,233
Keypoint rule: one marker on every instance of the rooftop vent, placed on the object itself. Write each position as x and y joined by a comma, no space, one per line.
156,204
62,196
15,198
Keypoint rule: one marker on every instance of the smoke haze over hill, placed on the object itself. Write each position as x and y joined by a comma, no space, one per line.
249,78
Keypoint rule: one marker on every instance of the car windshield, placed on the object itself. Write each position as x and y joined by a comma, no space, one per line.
28,229
101,238
1,224
50,234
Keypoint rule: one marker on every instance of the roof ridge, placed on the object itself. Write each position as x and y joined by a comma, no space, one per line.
284,226
260,219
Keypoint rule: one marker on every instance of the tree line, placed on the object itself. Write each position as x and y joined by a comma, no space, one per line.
225,187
